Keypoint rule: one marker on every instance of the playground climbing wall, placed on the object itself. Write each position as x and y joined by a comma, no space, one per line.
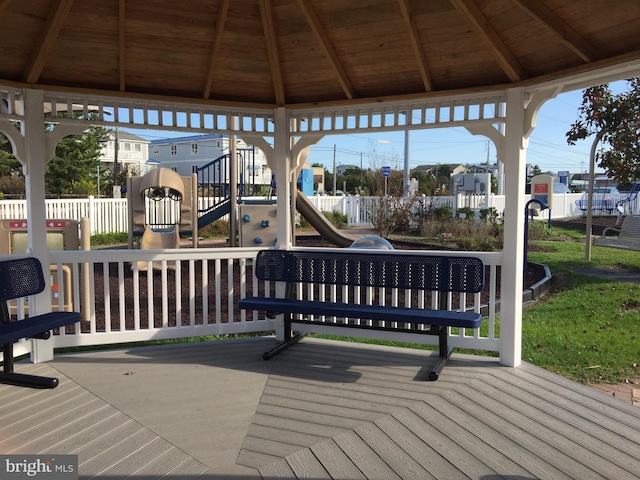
257,224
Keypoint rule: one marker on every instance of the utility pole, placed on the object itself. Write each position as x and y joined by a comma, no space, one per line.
405,177
116,167
360,192
334,169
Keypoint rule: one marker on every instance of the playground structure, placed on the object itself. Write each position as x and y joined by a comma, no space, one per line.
165,207
61,235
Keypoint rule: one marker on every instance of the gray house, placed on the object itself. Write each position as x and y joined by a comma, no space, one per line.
183,154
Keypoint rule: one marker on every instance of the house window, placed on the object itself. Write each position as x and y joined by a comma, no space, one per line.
136,147
194,149
127,146
156,150
174,150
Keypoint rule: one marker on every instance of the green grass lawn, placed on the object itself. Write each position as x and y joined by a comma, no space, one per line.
587,329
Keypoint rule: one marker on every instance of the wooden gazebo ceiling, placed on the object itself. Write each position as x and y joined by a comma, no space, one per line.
288,52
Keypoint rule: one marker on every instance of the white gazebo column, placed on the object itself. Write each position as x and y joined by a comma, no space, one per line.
33,166
282,153
511,282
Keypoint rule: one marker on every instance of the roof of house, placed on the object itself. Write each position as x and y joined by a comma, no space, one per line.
122,135
187,139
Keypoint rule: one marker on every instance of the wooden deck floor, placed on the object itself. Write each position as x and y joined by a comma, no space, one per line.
321,410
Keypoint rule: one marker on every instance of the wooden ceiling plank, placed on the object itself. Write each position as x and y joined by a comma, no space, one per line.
415,43
325,43
473,16
3,4
122,46
564,32
50,32
215,48
272,51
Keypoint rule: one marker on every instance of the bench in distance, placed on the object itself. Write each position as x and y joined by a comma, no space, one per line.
628,235
351,279
22,277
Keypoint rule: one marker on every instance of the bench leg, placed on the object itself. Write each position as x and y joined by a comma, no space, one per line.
444,354
288,340
8,376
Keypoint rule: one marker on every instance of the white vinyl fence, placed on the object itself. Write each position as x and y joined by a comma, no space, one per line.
194,292
109,215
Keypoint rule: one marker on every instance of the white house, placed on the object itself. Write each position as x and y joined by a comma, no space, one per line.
131,155
342,169
183,154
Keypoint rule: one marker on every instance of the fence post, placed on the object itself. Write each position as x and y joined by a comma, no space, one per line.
91,214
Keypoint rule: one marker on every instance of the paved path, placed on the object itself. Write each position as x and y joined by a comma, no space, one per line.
618,274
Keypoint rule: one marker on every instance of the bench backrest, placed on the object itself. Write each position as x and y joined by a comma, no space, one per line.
630,226
398,270
20,277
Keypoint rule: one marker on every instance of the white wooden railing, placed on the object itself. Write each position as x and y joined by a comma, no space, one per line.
109,215
193,293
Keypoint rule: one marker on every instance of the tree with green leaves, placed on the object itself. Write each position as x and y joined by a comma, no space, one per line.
72,171
615,120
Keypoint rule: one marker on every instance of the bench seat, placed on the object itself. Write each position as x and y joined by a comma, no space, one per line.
400,315
33,327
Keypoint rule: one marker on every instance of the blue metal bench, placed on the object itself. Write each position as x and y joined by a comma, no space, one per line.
600,204
385,272
22,277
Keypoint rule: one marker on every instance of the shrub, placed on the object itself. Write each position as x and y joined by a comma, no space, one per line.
538,231
105,239
339,220
217,229
442,213
389,214
463,234
465,213
490,215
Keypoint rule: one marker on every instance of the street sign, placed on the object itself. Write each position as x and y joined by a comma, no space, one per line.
386,171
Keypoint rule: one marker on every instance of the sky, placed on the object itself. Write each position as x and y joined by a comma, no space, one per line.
548,148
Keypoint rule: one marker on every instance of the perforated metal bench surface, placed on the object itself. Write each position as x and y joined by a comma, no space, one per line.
23,277
607,205
426,273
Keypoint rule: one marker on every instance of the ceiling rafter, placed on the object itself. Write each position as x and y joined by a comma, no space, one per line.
272,51
325,43
564,32
122,68
416,45
472,14
53,24
215,48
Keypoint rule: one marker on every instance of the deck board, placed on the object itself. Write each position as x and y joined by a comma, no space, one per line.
321,409
335,461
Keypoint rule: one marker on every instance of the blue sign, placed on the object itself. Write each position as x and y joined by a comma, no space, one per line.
564,176
386,171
